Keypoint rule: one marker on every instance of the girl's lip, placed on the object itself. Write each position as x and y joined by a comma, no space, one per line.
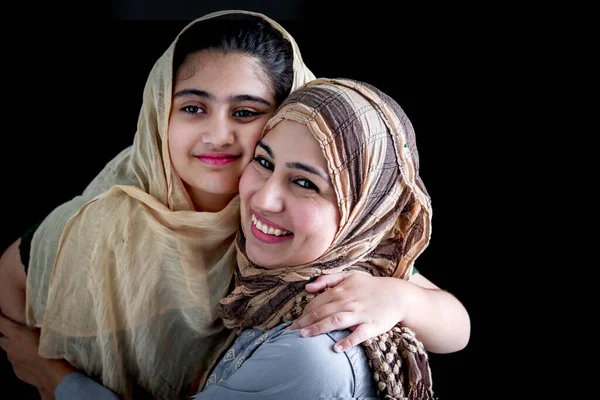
263,220
217,155
216,158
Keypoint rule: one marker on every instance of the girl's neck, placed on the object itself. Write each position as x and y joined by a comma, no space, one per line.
209,202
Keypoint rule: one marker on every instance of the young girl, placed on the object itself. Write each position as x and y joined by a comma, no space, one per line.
124,280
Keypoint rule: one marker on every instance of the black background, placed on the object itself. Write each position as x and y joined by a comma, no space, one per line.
78,87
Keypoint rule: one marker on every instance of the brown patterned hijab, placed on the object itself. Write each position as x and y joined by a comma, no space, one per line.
385,222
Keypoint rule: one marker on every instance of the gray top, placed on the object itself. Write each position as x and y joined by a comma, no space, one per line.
79,386
277,364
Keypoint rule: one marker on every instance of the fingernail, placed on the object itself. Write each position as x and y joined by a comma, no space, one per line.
337,348
304,332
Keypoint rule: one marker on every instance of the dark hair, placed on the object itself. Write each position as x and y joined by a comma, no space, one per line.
245,34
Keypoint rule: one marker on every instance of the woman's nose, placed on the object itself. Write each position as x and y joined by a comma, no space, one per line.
269,197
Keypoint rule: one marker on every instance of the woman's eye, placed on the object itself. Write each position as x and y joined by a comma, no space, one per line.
245,114
192,109
264,162
305,183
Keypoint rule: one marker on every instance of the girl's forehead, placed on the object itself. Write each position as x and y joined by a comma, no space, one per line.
224,74
209,60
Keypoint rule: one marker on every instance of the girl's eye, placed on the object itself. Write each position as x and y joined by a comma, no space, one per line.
245,113
306,184
263,162
192,109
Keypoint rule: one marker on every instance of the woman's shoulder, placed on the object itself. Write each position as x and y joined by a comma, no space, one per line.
316,348
281,363
316,354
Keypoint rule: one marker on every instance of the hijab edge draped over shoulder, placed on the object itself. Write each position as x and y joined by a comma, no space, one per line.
130,251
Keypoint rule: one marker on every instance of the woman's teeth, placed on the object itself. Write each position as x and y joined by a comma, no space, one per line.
266,229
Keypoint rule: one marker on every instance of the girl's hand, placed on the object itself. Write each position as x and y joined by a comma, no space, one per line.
21,346
367,305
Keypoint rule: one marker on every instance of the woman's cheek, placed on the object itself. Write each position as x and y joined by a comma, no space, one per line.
247,181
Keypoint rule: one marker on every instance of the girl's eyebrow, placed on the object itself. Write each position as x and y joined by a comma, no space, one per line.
236,98
248,97
295,165
194,92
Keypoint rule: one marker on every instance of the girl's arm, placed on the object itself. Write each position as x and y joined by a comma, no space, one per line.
371,306
51,377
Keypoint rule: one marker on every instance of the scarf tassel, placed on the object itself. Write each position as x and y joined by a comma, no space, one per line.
400,366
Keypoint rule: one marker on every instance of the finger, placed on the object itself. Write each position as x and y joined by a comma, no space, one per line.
6,325
360,334
4,343
326,281
311,310
320,313
334,322
331,296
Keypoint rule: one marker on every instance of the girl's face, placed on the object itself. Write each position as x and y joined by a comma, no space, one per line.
289,208
220,105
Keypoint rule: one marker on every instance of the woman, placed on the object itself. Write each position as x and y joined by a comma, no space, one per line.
333,187
336,174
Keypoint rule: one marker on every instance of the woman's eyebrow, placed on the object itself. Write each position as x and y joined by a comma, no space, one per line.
266,148
295,165
308,169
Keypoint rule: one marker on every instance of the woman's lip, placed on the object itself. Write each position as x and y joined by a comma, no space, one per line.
265,238
263,220
269,239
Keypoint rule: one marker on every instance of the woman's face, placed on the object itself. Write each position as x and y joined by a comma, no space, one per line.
289,208
220,105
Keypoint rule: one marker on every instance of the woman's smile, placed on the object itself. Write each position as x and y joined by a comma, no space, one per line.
268,232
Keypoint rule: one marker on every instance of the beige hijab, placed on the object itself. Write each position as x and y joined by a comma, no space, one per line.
124,280
385,222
